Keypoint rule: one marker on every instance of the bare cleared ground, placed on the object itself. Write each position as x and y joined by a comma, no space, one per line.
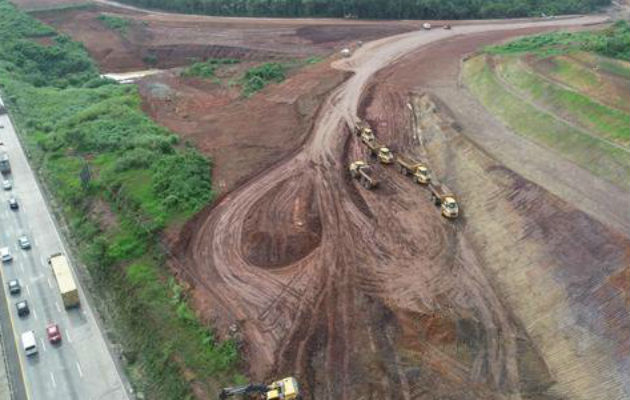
170,40
373,295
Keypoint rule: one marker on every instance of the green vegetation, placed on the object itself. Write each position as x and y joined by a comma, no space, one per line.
58,7
115,23
254,79
608,123
257,78
612,66
613,41
557,89
383,9
69,120
601,158
207,68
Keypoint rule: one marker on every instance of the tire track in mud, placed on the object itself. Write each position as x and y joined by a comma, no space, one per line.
332,316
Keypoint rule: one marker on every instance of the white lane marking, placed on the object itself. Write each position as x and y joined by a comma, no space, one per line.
68,336
42,260
50,285
43,344
27,290
34,314
22,267
57,305
79,368
52,378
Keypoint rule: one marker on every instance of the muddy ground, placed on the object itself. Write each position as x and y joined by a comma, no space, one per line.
374,295
165,41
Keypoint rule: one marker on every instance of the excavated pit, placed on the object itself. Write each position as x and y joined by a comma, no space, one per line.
283,226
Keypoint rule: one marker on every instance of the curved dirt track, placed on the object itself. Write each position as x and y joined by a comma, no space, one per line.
341,316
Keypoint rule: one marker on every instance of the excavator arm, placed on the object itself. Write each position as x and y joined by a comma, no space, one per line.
242,390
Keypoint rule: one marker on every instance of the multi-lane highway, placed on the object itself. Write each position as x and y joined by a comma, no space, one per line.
81,367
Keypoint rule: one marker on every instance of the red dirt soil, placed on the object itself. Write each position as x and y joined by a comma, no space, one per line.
380,297
176,40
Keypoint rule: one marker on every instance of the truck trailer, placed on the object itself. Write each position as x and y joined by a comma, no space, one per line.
5,166
380,151
408,166
65,281
364,131
445,199
362,172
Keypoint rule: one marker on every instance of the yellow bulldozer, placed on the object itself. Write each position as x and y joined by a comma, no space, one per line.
284,389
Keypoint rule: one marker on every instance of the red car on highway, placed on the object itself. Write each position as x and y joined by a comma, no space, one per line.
53,333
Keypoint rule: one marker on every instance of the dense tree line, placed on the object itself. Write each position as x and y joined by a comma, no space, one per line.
378,9
614,41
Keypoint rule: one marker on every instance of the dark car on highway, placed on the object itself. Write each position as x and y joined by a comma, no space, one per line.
14,286
22,308
13,203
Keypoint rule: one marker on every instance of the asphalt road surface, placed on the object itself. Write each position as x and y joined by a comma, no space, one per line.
81,367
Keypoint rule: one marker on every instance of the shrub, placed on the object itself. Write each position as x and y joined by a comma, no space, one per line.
258,77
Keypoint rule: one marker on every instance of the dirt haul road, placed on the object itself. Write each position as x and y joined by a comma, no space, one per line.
328,282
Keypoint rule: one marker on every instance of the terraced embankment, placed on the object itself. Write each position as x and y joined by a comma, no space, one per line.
548,100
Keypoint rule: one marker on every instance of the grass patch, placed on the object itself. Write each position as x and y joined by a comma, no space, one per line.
598,157
613,41
115,23
618,67
603,121
60,7
258,77
573,74
207,68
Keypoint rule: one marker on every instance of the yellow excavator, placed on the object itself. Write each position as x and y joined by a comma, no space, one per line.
284,389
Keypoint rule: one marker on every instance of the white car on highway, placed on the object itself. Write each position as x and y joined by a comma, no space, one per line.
24,243
29,343
6,184
5,254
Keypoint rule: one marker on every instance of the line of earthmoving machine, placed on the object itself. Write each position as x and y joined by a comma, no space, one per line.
364,173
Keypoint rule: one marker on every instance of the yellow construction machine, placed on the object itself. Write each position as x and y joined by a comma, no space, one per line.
284,389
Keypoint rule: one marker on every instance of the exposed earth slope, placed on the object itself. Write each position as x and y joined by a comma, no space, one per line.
385,298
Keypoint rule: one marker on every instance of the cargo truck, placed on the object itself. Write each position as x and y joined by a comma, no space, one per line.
363,130
406,166
5,166
445,199
381,152
65,281
362,172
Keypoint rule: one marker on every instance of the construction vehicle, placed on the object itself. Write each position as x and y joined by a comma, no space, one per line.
362,172
381,152
408,166
445,199
65,281
5,166
346,52
363,130
285,389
